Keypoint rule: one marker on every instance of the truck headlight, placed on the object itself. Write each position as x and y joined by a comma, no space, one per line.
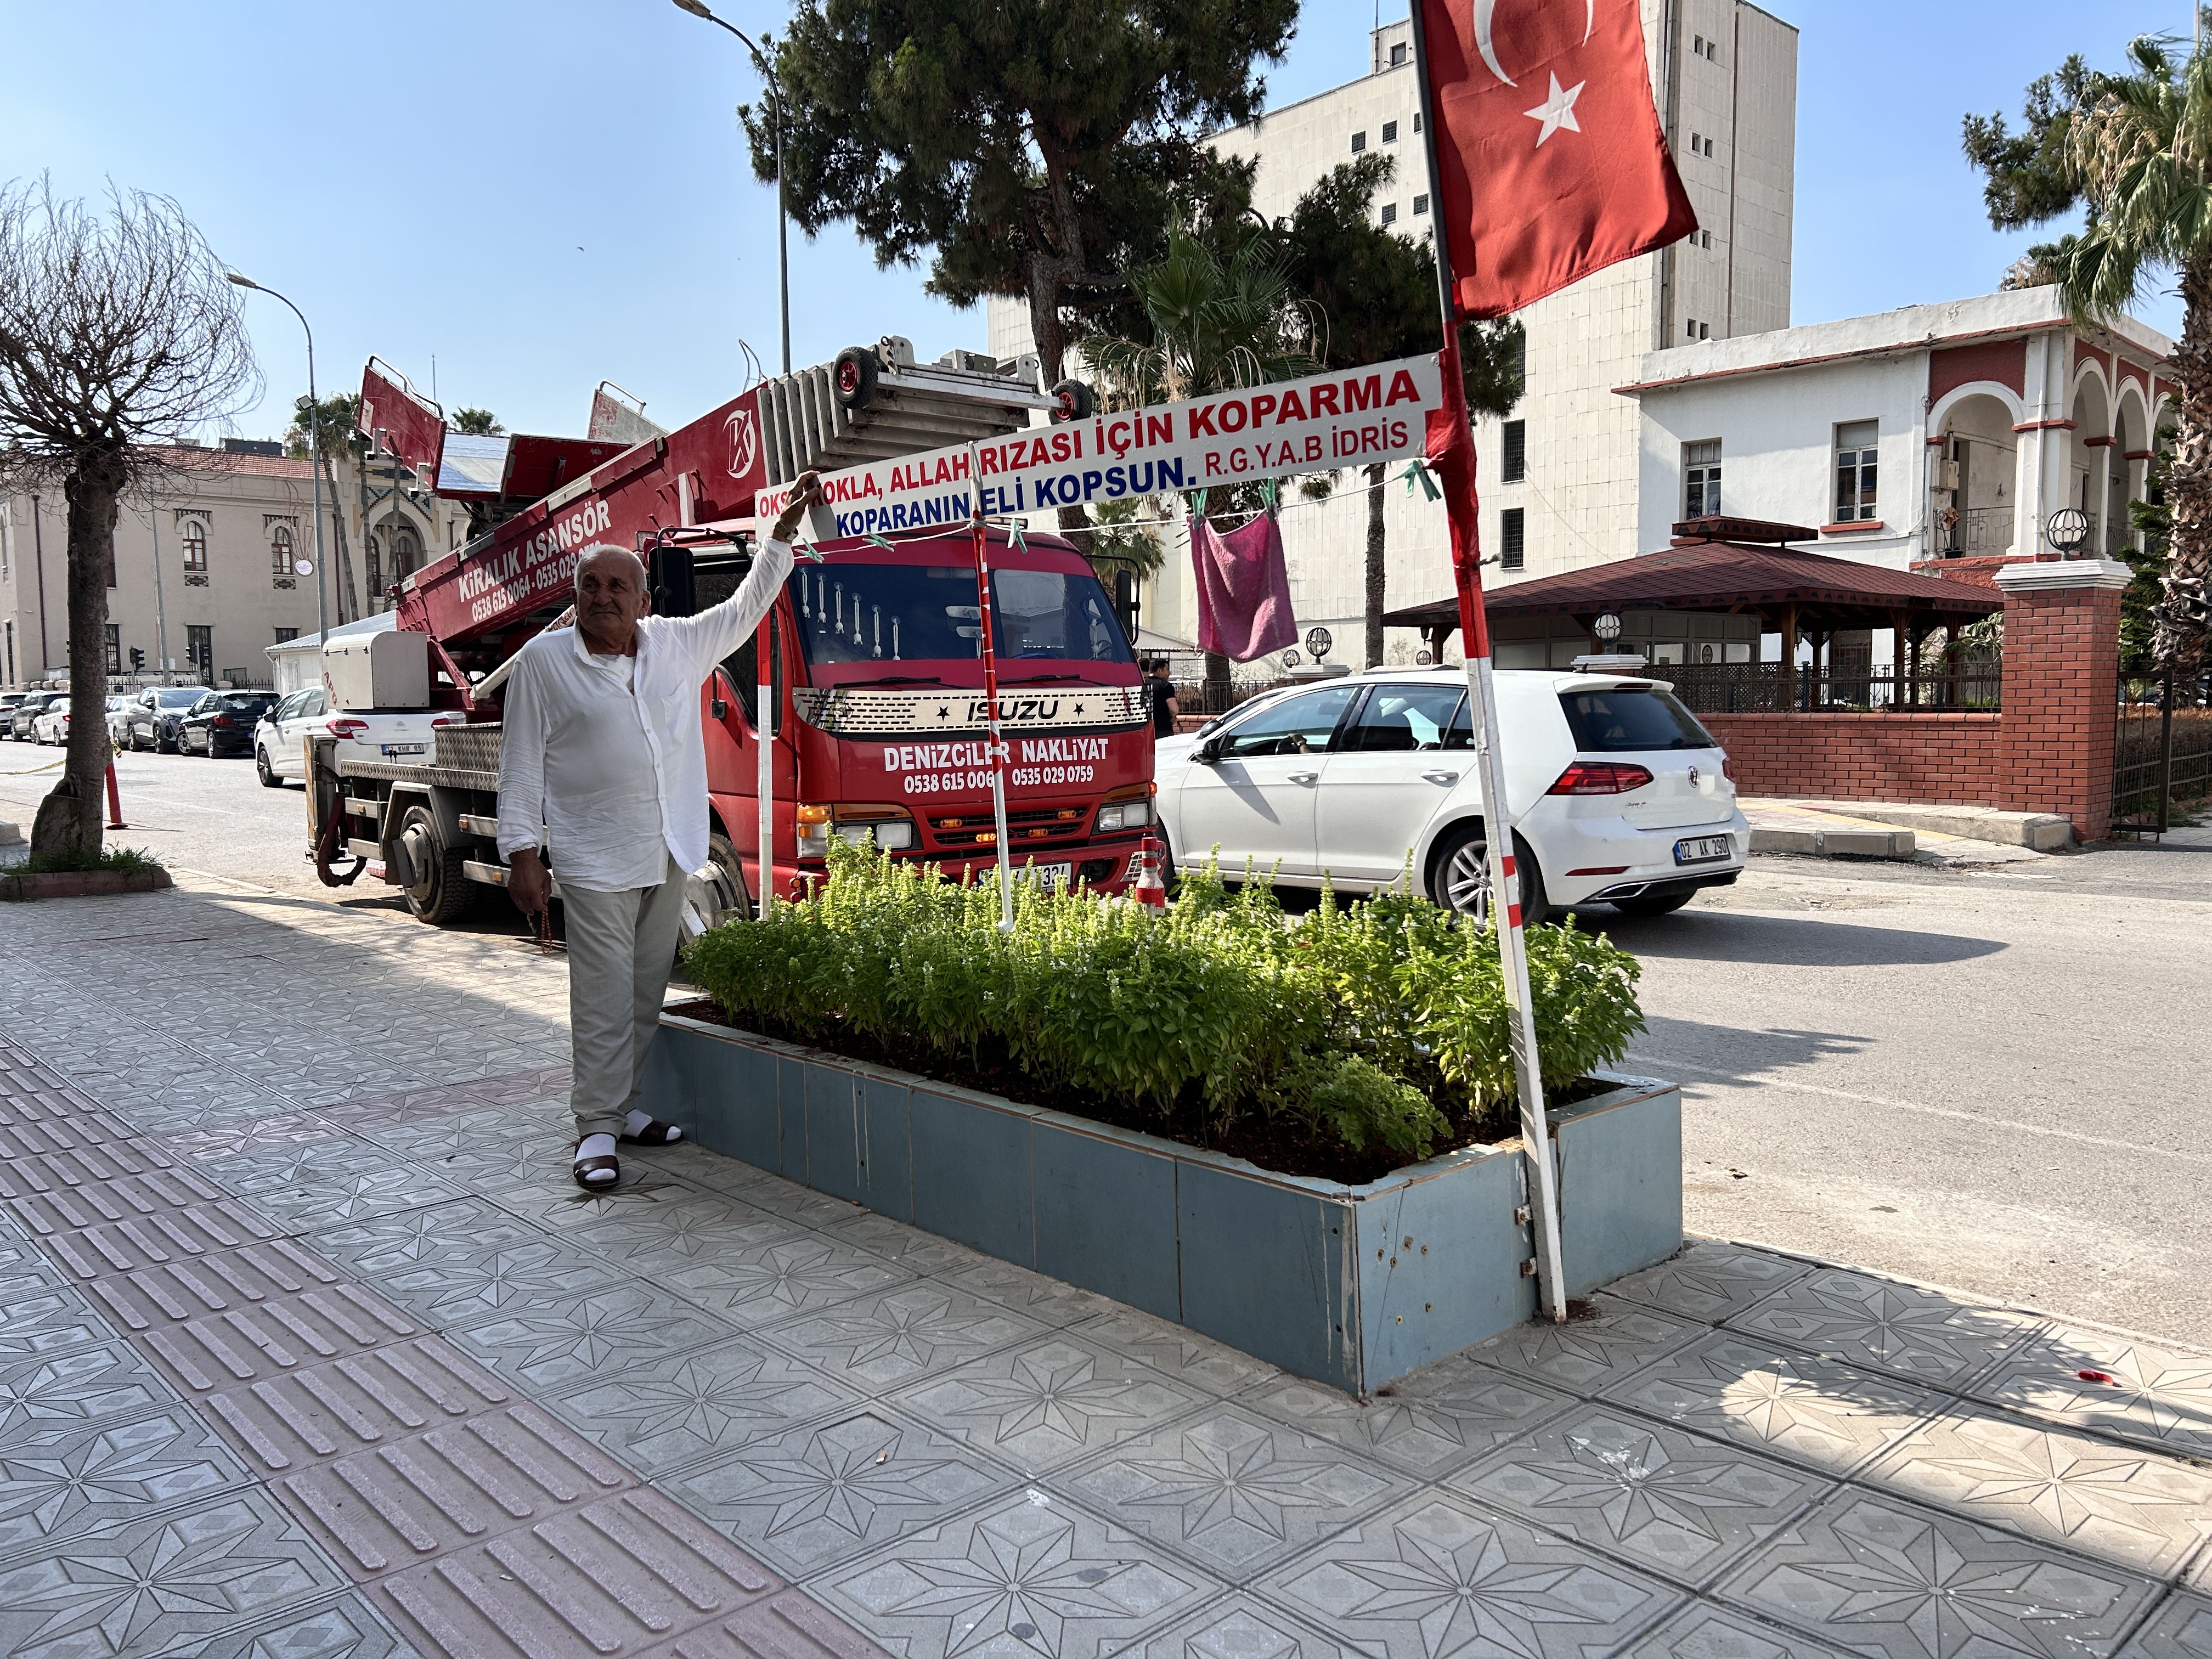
1124,815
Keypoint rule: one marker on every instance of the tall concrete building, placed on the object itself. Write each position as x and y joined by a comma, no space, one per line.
1559,475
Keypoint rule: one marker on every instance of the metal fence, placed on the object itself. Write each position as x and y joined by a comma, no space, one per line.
1196,697
2161,753
1767,688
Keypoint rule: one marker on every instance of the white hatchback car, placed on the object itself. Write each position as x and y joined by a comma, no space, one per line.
279,750
1618,795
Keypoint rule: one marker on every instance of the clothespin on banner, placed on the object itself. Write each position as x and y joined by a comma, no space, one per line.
1014,536
874,540
808,548
1419,470
1199,504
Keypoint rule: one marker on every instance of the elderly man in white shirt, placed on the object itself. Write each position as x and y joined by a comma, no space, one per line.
602,761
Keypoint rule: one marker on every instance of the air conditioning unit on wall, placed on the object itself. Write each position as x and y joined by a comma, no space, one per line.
1947,474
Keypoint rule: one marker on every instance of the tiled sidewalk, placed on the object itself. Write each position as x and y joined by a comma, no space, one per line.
309,1349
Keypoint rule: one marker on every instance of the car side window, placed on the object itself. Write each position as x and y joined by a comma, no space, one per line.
1406,718
1296,725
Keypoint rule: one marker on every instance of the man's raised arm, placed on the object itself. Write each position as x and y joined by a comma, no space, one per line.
713,633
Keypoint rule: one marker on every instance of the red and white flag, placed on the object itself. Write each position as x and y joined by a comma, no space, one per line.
1550,157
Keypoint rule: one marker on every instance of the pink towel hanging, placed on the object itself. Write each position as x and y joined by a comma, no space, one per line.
1243,589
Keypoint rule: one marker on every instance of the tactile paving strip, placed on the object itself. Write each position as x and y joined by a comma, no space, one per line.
319,1413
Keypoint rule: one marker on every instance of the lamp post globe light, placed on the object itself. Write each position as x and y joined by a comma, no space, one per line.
700,8
314,445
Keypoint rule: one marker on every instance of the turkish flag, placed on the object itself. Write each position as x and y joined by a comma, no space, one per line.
1551,164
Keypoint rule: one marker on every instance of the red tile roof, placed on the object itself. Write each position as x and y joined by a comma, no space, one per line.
224,460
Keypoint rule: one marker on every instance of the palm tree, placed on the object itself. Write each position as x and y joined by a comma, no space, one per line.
2138,150
335,419
1218,319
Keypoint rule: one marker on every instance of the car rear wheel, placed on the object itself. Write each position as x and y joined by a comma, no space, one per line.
265,771
1655,904
1459,878
441,892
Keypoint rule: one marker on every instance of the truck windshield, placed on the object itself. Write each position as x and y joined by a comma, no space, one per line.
925,612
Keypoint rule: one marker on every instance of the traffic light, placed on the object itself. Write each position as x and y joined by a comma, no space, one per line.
137,659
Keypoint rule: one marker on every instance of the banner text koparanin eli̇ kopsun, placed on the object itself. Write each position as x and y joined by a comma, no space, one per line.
1350,418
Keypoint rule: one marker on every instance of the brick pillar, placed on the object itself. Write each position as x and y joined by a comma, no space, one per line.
2062,667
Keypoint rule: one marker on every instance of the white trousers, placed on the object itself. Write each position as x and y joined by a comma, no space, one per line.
621,948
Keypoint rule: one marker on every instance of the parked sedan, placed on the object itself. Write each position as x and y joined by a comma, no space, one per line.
222,723
53,723
155,713
118,721
19,718
279,754
1618,796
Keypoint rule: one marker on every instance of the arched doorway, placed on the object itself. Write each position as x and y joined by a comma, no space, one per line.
1975,478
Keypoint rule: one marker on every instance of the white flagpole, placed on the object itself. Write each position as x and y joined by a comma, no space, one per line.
1490,774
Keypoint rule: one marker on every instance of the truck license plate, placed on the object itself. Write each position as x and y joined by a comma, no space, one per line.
1697,849
1054,877
403,748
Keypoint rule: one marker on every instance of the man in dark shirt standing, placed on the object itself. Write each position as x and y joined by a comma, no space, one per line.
1159,697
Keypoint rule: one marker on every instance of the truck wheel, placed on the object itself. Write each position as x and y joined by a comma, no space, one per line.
715,894
854,378
443,893
1076,402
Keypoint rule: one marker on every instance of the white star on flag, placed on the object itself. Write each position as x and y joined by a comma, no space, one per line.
1558,111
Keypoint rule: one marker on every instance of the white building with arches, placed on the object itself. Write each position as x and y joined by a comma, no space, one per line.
1932,432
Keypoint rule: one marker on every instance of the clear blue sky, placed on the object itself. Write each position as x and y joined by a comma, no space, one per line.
540,193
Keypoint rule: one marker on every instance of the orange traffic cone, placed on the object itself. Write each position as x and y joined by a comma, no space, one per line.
1150,890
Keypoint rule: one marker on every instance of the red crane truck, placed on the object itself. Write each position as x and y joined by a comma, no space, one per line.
878,724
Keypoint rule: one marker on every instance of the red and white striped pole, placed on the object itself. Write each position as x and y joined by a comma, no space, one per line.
1490,771
982,546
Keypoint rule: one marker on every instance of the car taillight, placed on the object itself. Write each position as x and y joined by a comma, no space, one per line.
1728,767
342,727
221,720
1601,778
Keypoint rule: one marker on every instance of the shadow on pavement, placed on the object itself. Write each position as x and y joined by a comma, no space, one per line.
1810,941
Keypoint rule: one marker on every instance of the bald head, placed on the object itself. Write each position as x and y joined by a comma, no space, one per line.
610,597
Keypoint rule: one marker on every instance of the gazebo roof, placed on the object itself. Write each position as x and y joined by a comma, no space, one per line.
1728,575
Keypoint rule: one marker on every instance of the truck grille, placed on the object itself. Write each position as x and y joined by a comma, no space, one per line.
1036,826
467,748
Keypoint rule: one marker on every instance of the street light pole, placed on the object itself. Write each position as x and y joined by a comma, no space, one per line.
314,448
700,8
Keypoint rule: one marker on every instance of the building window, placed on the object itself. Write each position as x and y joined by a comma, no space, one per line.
195,538
284,636
1708,147
1421,206
1359,143
1705,331
1389,213
199,650
406,552
1512,538
1855,450
115,647
280,554
1513,461
1705,237
1389,132
1701,479
1397,56
1417,120
1693,328
1697,46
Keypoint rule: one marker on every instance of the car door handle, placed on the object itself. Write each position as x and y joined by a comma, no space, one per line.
1440,777
1304,777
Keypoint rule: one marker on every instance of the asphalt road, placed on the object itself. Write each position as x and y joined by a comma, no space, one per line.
1990,1079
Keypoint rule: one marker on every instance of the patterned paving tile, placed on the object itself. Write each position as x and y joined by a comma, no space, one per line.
1434,1579
434,1235
1703,1631
1586,1355
161,1584
57,1482
467,1285
813,1497
788,1625
2180,1629
1229,1489
432,1493
248,1344
1897,1581
1899,1328
83,1385
680,1230
1711,1280
2118,1504
780,1273
893,1336
2136,1392
679,1409
341,1627
607,1578
1197,1362
911,1248
1683,1506
1048,1301
1427,1424
298,1418
1024,1576
556,1204
1239,1627
217,1142
326,1182
549,1341
146,1297
1819,1411
1039,1404
37,1321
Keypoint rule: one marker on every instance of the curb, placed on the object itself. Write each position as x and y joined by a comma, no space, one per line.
80,883
1837,843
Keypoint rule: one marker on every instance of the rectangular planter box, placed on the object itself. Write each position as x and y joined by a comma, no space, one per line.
1349,1286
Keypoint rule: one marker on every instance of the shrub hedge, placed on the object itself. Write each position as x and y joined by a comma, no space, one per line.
1377,1024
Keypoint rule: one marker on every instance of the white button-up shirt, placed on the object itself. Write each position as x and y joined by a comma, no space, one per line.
602,757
